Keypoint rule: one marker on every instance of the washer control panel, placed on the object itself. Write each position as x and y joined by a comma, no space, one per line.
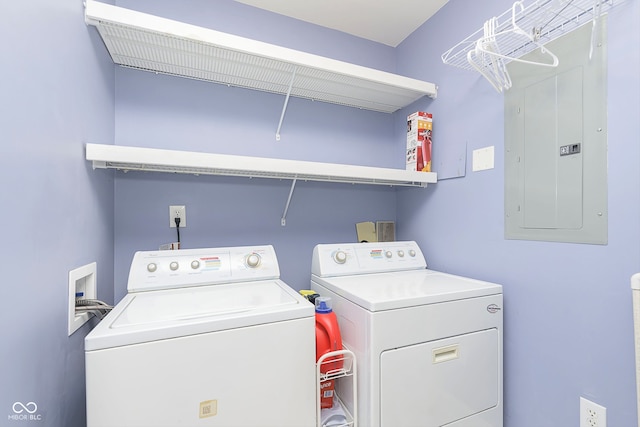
152,270
361,258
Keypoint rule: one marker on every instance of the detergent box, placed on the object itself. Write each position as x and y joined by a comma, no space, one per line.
419,130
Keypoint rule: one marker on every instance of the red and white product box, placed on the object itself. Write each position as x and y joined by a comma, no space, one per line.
419,131
327,388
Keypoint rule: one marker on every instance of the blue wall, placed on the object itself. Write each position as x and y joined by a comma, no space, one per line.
57,213
568,313
167,112
567,307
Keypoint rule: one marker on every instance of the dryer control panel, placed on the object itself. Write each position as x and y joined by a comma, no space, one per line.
361,258
153,270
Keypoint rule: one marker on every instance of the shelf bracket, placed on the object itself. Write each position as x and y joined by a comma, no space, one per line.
283,220
286,101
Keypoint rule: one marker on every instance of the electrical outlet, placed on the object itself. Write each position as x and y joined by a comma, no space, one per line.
177,212
592,414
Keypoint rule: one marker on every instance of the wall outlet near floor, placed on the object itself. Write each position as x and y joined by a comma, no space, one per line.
592,414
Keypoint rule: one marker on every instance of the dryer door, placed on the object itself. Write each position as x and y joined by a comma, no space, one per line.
439,382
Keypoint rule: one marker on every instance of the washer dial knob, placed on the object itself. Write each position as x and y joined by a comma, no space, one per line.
174,265
388,254
152,267
195,264
400,253
412,253
340,257
253,260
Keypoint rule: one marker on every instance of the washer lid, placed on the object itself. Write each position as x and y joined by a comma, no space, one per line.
390,291
156,315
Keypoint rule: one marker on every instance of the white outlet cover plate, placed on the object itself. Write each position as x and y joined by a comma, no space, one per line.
181,212
483,158
592,414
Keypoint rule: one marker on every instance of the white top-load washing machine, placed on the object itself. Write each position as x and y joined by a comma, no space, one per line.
204,337
428,344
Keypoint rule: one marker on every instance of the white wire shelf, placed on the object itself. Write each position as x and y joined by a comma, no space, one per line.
196,163
333,366
146,42
545,19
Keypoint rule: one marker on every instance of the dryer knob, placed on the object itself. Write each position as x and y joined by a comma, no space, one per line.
412,253
195,264
340,257
400,253
253,260
152,267
174,266
388,254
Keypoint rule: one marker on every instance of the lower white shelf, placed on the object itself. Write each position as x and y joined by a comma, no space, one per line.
189,162
340,367
174,161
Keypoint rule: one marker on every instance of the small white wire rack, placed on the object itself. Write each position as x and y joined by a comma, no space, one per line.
337,365
546,20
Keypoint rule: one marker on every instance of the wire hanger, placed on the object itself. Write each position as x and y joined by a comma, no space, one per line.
487,60
547,19
531,36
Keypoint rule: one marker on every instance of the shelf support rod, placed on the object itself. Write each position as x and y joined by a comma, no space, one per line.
286,101
283,220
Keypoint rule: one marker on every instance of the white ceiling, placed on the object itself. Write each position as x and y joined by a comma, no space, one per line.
383,21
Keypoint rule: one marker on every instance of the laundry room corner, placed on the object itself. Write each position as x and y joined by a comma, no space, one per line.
271,179
566,304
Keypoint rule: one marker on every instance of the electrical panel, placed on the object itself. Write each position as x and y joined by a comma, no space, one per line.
556,144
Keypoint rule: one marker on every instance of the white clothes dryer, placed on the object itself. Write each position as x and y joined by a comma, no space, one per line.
204,337
428,344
